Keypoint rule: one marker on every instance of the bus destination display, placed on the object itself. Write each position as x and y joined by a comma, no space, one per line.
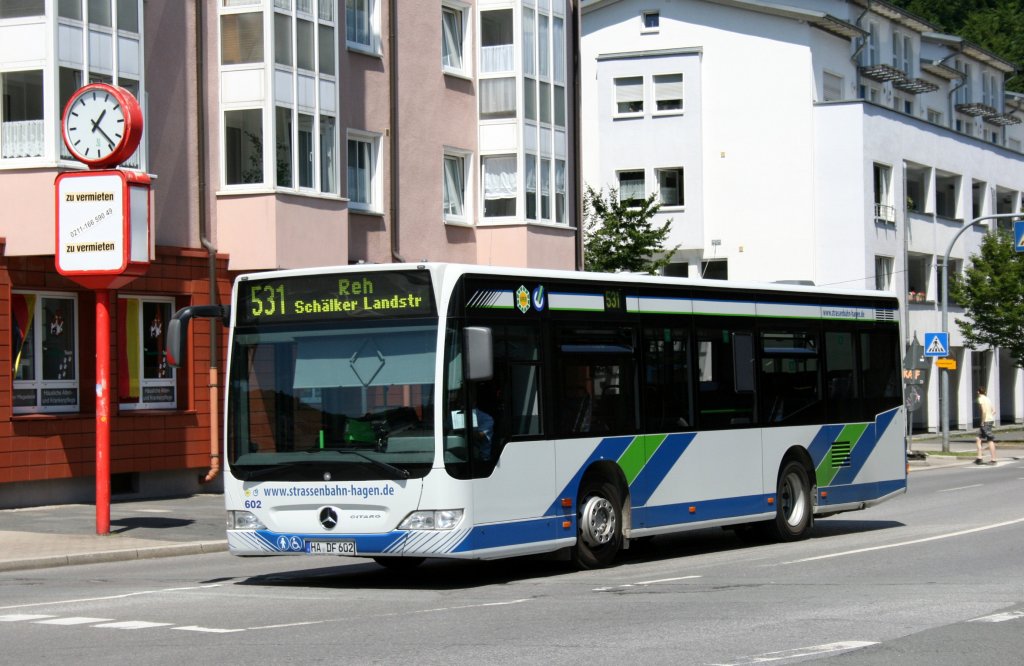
337,296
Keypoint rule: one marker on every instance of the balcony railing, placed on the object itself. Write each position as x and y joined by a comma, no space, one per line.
22,138
885,214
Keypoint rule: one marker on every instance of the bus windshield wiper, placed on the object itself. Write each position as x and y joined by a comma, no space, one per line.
270,470
397,472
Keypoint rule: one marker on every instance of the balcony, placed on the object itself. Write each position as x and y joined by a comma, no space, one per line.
915,86
882,73
22,138
976,109
885,214
1001,119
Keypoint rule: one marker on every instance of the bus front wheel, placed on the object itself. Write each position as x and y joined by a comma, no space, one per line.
794,513
599,524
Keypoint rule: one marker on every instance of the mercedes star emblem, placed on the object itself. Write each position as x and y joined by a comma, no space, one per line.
328,518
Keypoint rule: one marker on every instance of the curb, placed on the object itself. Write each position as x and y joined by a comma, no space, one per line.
106,556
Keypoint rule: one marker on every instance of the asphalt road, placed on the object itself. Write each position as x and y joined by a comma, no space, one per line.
933,577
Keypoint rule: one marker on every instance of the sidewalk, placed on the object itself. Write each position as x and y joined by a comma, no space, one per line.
53,536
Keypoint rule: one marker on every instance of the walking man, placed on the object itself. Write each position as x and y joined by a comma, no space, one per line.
988,419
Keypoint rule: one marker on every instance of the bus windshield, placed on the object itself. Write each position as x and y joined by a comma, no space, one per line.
329,402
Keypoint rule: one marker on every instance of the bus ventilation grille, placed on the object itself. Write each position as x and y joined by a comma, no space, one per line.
885,315
841,454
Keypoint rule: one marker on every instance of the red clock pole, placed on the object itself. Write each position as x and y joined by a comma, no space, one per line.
102,411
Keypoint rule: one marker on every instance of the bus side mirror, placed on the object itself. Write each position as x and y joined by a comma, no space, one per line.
479,353
177,329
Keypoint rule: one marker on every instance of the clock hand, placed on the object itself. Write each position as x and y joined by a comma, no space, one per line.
96,123
100,130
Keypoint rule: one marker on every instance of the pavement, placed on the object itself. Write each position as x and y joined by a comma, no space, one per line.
51,536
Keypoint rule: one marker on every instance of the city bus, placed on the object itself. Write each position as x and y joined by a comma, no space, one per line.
409,411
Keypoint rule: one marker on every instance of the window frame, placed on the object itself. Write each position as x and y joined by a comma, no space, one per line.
667,87
465,157
464,41
371,24
619,85
39,383
373,186
144,382
680,188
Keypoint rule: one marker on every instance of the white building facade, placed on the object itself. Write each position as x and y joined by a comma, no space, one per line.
843,142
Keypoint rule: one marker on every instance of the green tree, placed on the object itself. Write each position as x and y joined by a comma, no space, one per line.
992,294
621,236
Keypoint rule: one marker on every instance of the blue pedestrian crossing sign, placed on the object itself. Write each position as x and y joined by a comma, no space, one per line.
1018,235
936,344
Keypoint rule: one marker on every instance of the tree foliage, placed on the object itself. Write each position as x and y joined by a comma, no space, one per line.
621,236
992,294
995,25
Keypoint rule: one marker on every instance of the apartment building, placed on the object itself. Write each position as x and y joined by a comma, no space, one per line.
278,133
843,142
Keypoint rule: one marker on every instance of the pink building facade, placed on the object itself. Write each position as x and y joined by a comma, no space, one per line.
279,133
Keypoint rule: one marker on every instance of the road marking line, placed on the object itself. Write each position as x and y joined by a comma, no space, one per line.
114,596
22,617
207,630
799,653
290,624
643,582
69,621
908,543
454,608
949,490
1000,617
131,624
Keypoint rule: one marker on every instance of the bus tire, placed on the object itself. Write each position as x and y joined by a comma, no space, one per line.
794,513
599,523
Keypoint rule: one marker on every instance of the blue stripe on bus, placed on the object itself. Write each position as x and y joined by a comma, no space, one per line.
858,456
704,510
610,448
862,492
497,535
822,443
658,467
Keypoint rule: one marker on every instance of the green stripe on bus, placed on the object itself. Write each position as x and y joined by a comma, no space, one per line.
633,459
851,433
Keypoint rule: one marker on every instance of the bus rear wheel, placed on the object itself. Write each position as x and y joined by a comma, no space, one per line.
794,513
599,524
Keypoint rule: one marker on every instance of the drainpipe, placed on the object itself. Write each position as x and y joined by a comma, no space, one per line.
211,249
393,113
577,17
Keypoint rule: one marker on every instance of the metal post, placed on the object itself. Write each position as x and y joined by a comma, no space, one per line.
102,411
944,377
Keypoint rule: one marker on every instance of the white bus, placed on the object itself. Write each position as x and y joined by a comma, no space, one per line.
403,412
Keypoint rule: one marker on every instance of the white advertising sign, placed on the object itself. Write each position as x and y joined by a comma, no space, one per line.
90,230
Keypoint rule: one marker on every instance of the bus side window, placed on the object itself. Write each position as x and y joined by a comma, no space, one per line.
725,396
667,400
790,383
841,391
597,381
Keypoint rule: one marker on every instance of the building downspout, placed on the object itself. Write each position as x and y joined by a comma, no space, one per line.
577,149
393,120
211,249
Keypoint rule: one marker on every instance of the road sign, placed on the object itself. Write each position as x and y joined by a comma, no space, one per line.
946,363
936,344
1018,235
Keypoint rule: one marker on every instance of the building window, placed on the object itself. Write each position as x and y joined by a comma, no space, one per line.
361,21
22,127
885,211
363,162
241,38
632,190
454,186
328,155
832,87
668,92
500,185
670,186
629,95
883,273
145,379
44,341
21,9
560,192
919,269
283,135
651,20
453,39
497,56
243,147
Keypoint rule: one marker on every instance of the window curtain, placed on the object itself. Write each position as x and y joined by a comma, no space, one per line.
500,178
129,343
497,96
631,186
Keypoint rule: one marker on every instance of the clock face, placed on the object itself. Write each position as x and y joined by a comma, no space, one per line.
101,127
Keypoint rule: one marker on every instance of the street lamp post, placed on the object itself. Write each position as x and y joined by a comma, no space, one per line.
944,379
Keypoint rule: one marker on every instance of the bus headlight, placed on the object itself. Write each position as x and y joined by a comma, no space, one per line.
445,519
243,520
